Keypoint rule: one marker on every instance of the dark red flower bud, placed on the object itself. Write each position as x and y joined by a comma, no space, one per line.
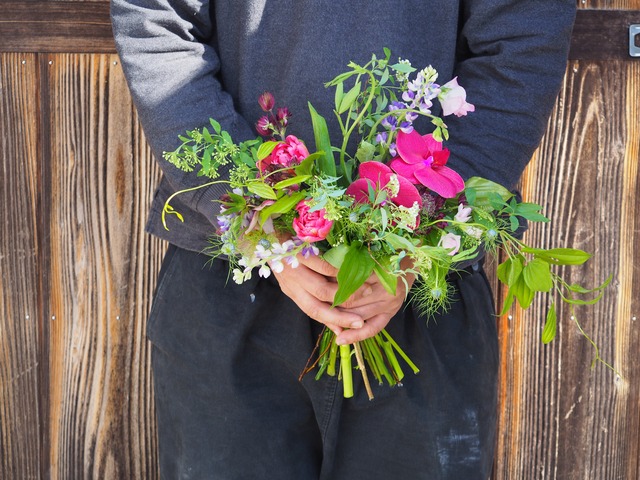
264,126
266,101
283,116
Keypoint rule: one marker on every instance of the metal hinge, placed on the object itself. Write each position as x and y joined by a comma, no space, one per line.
634,40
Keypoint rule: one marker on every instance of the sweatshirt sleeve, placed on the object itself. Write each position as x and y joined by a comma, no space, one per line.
512,58
172,71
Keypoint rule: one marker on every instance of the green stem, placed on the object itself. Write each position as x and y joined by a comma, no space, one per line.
345,370
333,353
166,207
400,351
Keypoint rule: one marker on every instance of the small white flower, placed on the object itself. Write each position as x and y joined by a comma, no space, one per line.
264,271
277,266
464,214
292,261
238,277
451,242
393,186
474,232
261,252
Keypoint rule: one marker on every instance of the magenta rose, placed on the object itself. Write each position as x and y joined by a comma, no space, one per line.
285,154
311,226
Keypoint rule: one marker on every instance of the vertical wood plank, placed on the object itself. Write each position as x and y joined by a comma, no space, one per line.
560,418
101,270
20,440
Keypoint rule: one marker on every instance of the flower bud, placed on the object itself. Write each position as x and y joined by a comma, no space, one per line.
283,116
264,126
266,101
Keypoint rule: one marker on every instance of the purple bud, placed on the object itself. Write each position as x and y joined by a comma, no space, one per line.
381,137
266,101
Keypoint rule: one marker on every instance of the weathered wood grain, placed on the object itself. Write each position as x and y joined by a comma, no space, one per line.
559,418
20,304
56,26
102,270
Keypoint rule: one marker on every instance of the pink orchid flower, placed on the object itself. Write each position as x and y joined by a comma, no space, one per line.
421,159
378,175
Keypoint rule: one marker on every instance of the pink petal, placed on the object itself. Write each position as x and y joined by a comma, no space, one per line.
412,147
407,195
442,180
432,144
440,157
359,190
377,172
406,170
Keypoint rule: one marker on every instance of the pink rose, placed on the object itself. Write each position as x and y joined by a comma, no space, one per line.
454,100
311,226
285,154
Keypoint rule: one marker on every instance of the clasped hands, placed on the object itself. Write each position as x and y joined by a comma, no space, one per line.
312,286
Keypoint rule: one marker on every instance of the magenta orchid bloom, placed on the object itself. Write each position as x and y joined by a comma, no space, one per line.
421,159
378,175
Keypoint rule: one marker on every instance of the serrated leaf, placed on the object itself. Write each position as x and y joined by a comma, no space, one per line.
355,270
550,326
537,275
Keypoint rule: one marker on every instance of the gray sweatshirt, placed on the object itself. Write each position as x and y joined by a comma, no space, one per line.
188,60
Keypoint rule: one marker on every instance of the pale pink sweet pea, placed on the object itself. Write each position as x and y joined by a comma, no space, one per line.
311,226
285,154
450,241
378,175
421,159
463,215
454,99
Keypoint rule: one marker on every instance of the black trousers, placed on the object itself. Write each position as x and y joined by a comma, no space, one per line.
226,361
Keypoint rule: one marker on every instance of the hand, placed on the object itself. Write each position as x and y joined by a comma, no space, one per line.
376,309
312,286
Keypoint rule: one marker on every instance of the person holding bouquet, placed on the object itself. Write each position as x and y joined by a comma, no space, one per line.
226,358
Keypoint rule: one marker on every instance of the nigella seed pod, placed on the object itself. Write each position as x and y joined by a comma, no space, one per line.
266,101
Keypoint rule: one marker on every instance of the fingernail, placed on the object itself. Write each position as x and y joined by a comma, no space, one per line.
340,341
357,324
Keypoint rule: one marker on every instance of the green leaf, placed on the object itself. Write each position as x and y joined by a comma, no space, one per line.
266,148
339,94
326,164
291,181
483,188
336,255
349,98
306,166
580,289
355,270
388,280
403,68
523,293
283,205
509,271
398,242
537,275
560,256
262,190
550,326
215,125
507,303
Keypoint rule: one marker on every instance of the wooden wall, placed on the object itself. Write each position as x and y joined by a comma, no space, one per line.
77,270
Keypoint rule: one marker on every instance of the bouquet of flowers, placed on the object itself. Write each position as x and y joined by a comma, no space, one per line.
392,208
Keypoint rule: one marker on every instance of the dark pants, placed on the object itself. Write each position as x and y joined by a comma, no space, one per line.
226,361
